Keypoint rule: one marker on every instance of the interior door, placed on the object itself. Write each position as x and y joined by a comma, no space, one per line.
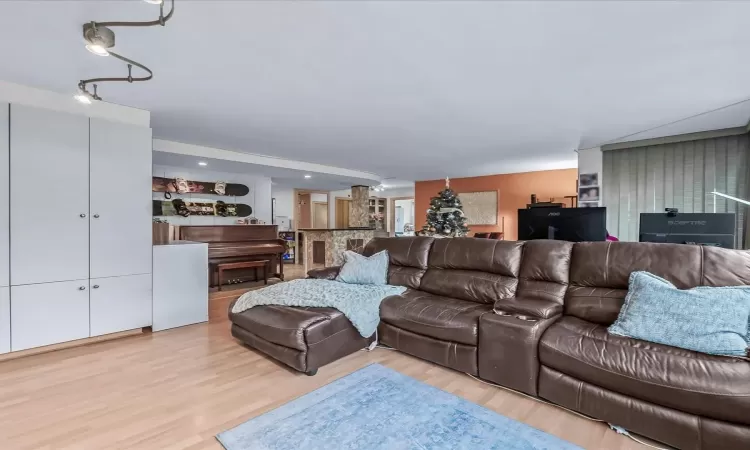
120,199
342,212
49,196
320,215
120,304
48,313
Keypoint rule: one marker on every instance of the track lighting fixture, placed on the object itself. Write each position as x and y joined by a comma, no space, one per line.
84,96
100,39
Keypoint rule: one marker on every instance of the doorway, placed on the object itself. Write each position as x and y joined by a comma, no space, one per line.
402,219
319,214
311,209
342,212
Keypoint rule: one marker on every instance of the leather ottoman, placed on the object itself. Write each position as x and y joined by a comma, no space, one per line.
302,338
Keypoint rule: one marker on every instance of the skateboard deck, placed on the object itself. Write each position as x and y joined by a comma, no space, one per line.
168,208
160,184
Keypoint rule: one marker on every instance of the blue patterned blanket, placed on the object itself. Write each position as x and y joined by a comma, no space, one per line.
360,303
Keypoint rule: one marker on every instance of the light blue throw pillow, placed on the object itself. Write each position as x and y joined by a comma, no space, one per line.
710,320
358,269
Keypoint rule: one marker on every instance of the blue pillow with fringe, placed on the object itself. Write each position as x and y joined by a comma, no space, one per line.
713,320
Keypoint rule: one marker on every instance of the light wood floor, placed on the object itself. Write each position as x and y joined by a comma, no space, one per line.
176,389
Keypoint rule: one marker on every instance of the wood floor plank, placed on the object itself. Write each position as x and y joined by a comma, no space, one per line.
177,389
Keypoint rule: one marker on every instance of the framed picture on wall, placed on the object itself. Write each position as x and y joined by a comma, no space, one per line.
588,179
588,194
480,208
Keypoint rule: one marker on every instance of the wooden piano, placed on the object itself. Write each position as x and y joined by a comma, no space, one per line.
233,243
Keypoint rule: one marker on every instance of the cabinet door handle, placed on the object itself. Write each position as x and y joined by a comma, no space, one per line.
82,288
96,286
82,215
96,216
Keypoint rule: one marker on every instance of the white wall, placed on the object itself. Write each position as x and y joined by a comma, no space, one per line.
284,201
259,197
318,197
590,161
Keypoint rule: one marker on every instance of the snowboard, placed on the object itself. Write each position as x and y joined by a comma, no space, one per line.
167,208
160,184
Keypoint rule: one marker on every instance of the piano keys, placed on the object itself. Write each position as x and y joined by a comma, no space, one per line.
233,243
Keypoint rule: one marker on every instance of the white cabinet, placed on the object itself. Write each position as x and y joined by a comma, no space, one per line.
49,196
4,198
180,284
75,242
4,320
120,195
48,313
120,303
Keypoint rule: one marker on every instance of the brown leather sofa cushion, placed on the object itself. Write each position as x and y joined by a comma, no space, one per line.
408,251
408,258
723,267
479,270
483,255
325,273
710,386
545,268
599,274
290,326
444,318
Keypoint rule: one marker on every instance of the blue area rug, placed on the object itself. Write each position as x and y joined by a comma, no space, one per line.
378,408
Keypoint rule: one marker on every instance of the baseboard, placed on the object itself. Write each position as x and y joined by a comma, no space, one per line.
76,343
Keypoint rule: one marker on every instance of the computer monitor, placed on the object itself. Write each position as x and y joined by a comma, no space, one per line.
715,229
563,224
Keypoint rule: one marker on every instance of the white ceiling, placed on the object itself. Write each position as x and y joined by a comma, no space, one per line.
283,177
413,90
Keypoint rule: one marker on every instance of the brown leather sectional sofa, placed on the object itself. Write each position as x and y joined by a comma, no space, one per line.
533,316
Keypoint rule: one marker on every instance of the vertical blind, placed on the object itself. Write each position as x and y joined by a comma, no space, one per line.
680,175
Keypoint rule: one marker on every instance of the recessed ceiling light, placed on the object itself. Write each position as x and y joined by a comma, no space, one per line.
308,176
154,2
202,163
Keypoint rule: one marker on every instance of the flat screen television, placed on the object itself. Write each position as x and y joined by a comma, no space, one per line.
715,229
563,224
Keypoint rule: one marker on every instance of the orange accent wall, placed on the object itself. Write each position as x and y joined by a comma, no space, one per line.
514,193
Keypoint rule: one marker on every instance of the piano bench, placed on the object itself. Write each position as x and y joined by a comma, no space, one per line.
221,267
304,339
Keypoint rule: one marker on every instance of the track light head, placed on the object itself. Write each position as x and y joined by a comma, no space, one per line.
97,49
83,97
98,38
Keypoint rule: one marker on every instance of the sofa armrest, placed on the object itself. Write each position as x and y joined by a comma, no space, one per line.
528,308
509,339
326,273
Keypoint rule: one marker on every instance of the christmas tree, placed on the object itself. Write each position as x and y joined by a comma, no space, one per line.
445,218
